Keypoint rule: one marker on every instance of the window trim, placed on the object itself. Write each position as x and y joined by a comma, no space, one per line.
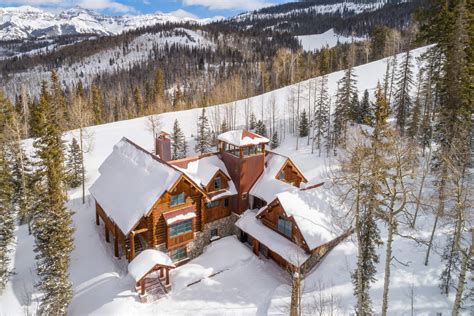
177,195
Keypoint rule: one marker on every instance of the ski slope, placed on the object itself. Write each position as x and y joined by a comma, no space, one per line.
244,284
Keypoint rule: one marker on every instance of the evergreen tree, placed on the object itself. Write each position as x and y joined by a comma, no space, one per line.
52,222
178,99
58,97
224,127
404,83
366,110
451,259
261,129
345,95
178,142
304,125
38,112
253,121
321,115
138,101
159,85
7,218
203,136
275,142
74,164
356,114
96,104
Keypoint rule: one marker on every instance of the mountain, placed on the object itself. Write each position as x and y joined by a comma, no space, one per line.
19,23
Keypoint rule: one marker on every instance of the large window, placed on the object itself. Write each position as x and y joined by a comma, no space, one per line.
282,175
226,203
178,254
181,228
217,183
177,199
212,204
284,226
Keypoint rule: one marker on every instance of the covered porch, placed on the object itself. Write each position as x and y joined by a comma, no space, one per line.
151,272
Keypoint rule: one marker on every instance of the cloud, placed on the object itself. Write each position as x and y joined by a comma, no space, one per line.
228,4
111,5
180,13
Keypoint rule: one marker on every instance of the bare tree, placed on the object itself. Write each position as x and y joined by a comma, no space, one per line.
153,123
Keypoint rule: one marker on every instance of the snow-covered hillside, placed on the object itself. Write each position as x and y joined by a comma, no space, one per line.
232,281
327,39
28,22
109,61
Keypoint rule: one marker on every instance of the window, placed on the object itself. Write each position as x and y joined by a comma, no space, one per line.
284,226
214,233
226,203
181,228
177,199
212,204
282,175
178,254
217,183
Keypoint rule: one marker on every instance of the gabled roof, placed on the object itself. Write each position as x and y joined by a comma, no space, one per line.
242,138
131,181
311,213
202,170
142,264
267,185
282,246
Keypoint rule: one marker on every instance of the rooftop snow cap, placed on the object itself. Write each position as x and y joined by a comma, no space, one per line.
242,138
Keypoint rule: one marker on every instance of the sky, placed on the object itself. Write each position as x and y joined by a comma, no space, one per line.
196,8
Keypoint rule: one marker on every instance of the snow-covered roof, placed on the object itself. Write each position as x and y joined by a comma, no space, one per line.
312,215
202,170
242,138
180,215
147,260
131,180
267,185
292,253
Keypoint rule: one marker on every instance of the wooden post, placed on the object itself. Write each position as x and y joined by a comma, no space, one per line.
167,276
116,250
107,237
256,247
162,274
142,285
97,217
132,246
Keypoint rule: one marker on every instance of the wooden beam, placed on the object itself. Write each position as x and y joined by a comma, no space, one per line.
167,276
116,250
142,286
132,246
107,237
139,231
97,217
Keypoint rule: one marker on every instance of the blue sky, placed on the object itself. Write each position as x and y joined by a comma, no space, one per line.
200,8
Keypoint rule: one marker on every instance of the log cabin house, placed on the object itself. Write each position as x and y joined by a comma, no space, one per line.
145,200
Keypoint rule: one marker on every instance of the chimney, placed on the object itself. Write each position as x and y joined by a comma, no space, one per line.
163,146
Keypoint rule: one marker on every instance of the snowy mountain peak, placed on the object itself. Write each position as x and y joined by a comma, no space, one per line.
26,22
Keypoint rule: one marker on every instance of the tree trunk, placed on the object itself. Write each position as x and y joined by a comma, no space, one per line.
431,239
462,279
83,171
388,261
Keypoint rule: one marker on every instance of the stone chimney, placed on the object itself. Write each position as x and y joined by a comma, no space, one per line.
163,146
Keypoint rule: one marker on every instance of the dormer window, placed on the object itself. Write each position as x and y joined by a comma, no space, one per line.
177,199
284,226
217,183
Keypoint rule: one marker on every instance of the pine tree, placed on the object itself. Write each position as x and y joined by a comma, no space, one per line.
224,127
52,222
38,112
203,137
96,104
275,142
253,121
58,97
159,85
138,102
178,99
403,101
304,125
355,112
74,164
345,95
178,142
261,129
366,110
7,218
321,115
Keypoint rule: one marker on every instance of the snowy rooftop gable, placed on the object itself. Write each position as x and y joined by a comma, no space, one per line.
249,223
312,215
242,138
203,170
142,264
131,181
267,185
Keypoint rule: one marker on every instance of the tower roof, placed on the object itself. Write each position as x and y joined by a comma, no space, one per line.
242,138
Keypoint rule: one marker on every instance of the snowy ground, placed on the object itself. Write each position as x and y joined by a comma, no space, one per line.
327,39
245,285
